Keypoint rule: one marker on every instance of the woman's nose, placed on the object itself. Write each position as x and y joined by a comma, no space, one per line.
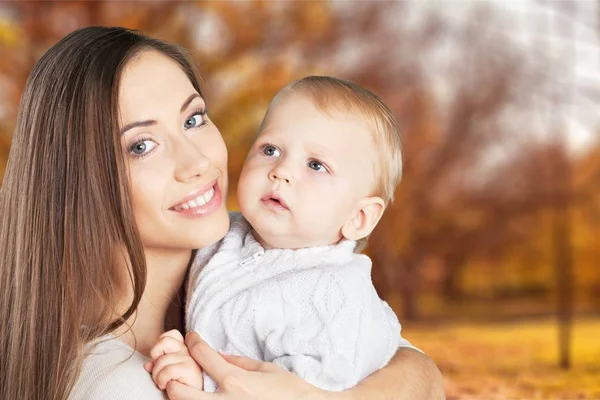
190,162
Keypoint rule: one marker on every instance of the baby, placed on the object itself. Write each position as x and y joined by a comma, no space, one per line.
287,283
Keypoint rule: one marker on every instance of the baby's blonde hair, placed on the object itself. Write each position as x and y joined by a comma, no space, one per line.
331,94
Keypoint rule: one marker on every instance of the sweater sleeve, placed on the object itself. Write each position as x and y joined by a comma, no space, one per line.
327,325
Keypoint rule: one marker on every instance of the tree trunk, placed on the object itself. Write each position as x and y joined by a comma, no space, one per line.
408,284
563,261
450,284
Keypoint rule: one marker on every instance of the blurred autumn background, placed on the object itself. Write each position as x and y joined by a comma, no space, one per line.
491,253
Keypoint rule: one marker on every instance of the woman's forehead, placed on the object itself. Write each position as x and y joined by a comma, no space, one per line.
152,83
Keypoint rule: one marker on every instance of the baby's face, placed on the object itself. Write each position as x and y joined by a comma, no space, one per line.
305,174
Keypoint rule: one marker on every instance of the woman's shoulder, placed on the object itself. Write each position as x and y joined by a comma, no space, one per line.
113,370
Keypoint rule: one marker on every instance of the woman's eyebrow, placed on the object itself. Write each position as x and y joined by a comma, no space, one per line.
151,122
132,125
189,100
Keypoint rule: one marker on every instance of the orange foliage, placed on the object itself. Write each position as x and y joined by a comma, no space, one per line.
472,219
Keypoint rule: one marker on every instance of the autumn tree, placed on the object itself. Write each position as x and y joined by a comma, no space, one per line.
447,152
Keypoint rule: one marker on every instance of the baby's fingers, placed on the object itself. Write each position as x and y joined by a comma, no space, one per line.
177,367
173,333
148,366
161,364
167,345
172,372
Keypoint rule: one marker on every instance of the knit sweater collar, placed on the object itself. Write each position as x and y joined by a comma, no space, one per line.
252,249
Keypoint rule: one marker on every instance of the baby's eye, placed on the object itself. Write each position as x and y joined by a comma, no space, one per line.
142,148
195,120
317,166
271,151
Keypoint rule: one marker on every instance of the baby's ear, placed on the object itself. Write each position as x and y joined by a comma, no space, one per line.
366,217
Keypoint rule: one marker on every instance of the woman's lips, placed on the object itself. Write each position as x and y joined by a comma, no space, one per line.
200,202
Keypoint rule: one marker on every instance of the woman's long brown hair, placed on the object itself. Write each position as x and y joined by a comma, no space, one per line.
65,211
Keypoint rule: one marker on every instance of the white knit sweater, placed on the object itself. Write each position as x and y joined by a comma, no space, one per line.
313,311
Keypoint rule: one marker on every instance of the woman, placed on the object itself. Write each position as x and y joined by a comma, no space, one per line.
112,137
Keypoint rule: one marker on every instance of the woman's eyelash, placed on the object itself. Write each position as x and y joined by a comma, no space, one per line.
196,119
138,141
199,111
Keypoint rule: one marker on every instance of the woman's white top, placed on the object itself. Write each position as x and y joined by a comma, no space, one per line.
113,370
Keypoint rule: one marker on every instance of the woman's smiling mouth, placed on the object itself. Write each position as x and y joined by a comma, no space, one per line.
200,202
197,201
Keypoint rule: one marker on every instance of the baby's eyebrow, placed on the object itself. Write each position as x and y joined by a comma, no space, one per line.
319,150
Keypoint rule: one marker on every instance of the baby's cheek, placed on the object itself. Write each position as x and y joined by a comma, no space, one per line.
320,218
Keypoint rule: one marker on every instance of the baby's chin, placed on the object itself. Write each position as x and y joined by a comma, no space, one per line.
279,240
282,232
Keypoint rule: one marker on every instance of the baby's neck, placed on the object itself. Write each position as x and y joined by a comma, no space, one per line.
266,245
270,246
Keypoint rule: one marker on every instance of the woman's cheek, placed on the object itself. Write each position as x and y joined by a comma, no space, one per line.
213,147
148,187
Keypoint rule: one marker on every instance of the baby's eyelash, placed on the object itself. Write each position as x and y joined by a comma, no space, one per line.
322,164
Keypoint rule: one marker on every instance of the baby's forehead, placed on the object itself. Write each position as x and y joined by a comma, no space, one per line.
332,109
342,137
318,127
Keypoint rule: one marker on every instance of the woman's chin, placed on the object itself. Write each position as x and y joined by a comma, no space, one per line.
211,229
189,233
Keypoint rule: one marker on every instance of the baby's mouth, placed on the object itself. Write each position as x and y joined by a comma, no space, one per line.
274,201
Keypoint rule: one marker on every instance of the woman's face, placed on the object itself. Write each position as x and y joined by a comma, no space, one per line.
177,158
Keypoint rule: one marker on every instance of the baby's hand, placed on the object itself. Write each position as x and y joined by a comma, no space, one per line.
171,361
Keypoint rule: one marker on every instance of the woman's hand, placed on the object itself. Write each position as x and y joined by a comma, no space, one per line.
241,378
410,375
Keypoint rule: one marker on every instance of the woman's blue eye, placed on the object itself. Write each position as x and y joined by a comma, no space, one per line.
271,151
142,147
317,166
195,120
